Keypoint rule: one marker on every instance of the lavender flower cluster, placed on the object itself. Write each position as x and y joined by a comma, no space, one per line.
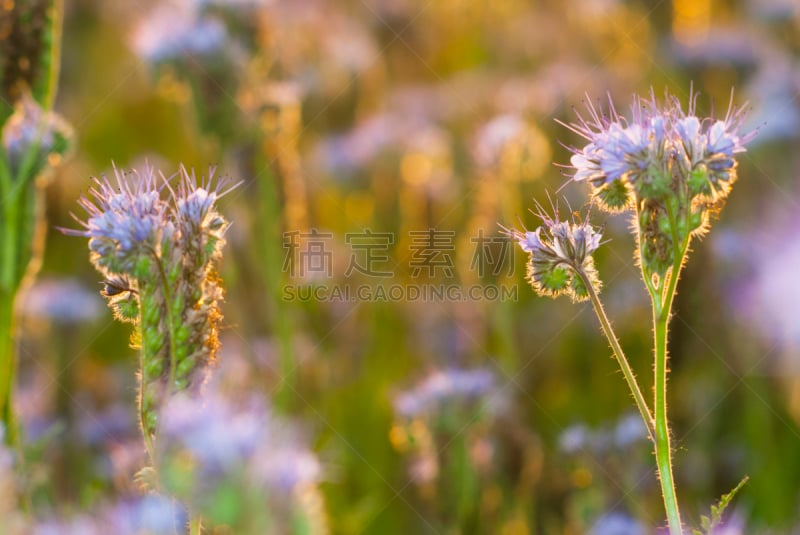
660,147
157,245
671,167
239,466
442,388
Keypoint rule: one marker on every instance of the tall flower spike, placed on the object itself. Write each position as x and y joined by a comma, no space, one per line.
561,255
157,245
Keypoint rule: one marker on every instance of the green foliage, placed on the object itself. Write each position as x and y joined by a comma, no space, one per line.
709,523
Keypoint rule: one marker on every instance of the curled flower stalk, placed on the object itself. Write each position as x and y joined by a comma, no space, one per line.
561,263
561,256
157,245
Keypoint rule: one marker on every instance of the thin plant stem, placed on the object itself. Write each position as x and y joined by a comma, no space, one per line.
663,448
7,365
662,307
196,526
630,378
273,275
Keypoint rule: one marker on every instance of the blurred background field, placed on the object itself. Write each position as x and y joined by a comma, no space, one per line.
407,115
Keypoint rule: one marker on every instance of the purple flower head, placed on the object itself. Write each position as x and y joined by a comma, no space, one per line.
127,219
644,149
30,125
561,254
130,217
178,29
443,388
195,202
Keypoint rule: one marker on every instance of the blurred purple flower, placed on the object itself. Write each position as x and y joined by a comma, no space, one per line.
620,436
29,125
61,301
494,136
177,28
574,439
733,45
764,293
150,515
224,439
444,387
617,524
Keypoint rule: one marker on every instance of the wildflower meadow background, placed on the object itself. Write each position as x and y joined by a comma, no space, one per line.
338,336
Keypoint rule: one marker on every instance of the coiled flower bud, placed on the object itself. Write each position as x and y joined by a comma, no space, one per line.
561,256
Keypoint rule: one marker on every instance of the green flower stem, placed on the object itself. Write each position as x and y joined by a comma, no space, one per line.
630,378
172,323
7,365
271,219
151,362
663,449
662,307
8,289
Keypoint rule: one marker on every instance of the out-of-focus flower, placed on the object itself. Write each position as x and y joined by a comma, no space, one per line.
237,465
175,29
31,128
574,439
63,302
620,436
448,427
511,146
733,46
772,89
443,387
495,135
617,524
761,268
778,10
629,430
560,256
10,518
150,515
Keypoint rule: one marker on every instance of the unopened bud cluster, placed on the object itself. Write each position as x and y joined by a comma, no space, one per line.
673,168
157,243
561,256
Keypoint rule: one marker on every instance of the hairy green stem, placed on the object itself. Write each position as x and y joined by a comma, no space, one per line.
630,378
663,448
662,308
149,354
